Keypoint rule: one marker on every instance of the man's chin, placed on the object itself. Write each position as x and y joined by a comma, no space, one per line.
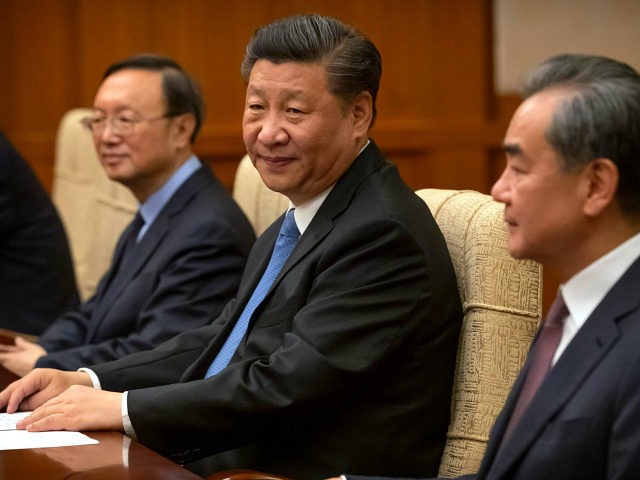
117,175
516,251
276,183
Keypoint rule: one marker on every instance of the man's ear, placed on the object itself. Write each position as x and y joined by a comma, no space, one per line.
362,111
184,126
602,179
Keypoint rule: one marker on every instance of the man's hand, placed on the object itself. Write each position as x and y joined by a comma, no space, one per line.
78,408
21,357
38,386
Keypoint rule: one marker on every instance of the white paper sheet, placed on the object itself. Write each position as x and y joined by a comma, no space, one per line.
8,420
18,439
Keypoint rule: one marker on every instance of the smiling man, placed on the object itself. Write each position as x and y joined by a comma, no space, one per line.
180,260
344,330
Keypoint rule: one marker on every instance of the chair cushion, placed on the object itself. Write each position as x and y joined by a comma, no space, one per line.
501,299
261,205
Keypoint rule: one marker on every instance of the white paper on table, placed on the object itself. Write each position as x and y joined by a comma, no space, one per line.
18,439
8,420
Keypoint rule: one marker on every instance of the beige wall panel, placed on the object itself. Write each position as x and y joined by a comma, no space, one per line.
529,31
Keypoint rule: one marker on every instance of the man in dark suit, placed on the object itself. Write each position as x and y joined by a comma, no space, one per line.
571,189
179,267
354,342
37,283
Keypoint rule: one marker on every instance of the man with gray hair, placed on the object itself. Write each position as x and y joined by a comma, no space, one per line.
344,330
571,189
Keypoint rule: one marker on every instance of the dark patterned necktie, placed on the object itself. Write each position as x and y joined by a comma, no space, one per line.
136,226
287,238
541,358
125,254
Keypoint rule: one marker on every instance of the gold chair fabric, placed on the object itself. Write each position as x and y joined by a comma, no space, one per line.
501,299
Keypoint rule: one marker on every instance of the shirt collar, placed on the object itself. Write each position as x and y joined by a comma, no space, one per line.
584,292
306,211
151,208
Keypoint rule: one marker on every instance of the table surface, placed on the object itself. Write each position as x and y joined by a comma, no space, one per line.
115,457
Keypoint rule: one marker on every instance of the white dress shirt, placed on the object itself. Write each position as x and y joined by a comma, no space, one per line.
585,290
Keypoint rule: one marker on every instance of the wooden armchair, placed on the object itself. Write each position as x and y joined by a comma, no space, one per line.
501,299
94,209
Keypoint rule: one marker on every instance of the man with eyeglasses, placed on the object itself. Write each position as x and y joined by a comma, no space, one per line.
180,260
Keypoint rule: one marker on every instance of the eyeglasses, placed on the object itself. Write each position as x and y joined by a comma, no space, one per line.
121,124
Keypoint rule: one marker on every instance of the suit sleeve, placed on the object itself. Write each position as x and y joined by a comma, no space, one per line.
68,330
624,449
186,292
165,364
72,328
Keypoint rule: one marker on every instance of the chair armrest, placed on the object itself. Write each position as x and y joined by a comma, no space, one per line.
244,475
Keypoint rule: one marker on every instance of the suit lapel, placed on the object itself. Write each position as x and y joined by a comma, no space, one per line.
140,255
110,284
263,251
591,344
149,243
109,276
336,202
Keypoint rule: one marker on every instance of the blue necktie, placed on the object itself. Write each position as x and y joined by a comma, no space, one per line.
285,242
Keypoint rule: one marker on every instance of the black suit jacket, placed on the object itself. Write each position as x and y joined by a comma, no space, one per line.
352,348
36,273
584,422
187,266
